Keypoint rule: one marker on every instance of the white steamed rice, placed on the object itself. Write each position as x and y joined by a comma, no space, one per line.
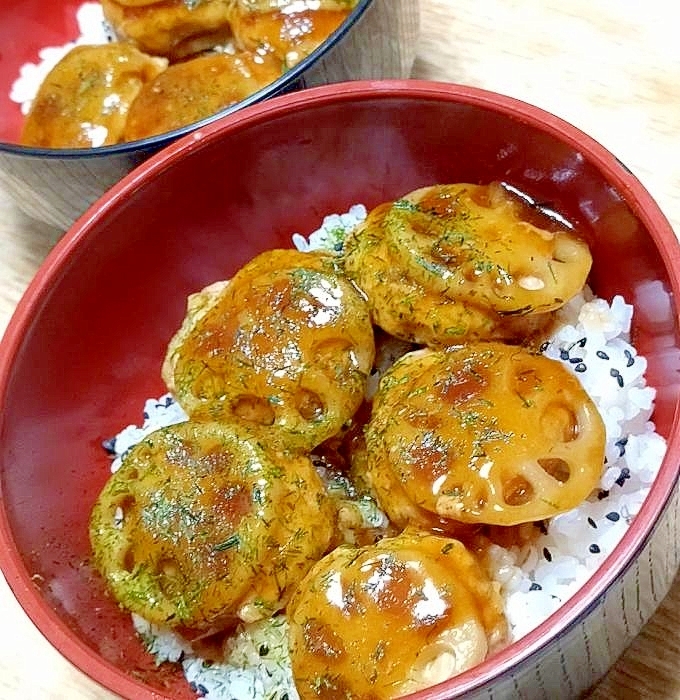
592,340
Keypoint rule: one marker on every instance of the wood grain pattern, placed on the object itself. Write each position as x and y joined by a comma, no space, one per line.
610,67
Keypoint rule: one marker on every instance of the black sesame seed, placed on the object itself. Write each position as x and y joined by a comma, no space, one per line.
594,549
602,494
602,355
536,587
575,360
613,516
546,554
623,475
544,346
592,523
146,416
617,375
263,650
564,354
110,445
581,367
630,360
621,444
582,342
169,401
202,690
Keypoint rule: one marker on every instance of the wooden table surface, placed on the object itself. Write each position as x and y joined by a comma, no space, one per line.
610,67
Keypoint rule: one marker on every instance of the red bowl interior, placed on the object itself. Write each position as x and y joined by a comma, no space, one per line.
85,346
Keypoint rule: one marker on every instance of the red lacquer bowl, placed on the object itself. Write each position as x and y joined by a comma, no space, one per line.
85,346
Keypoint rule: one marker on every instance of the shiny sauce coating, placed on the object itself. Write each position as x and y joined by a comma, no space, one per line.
201,528
484,433
286,346
393,618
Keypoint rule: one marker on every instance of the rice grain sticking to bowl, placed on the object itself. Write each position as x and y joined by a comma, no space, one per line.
592,338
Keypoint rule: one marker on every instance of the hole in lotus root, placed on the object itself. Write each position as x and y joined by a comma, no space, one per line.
309,405
471,272
334,355
471,497
517,491
122,506
128,560
556,467
481,196
566,250
322,640
169,576
481,498
449,252
559,423
254,409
